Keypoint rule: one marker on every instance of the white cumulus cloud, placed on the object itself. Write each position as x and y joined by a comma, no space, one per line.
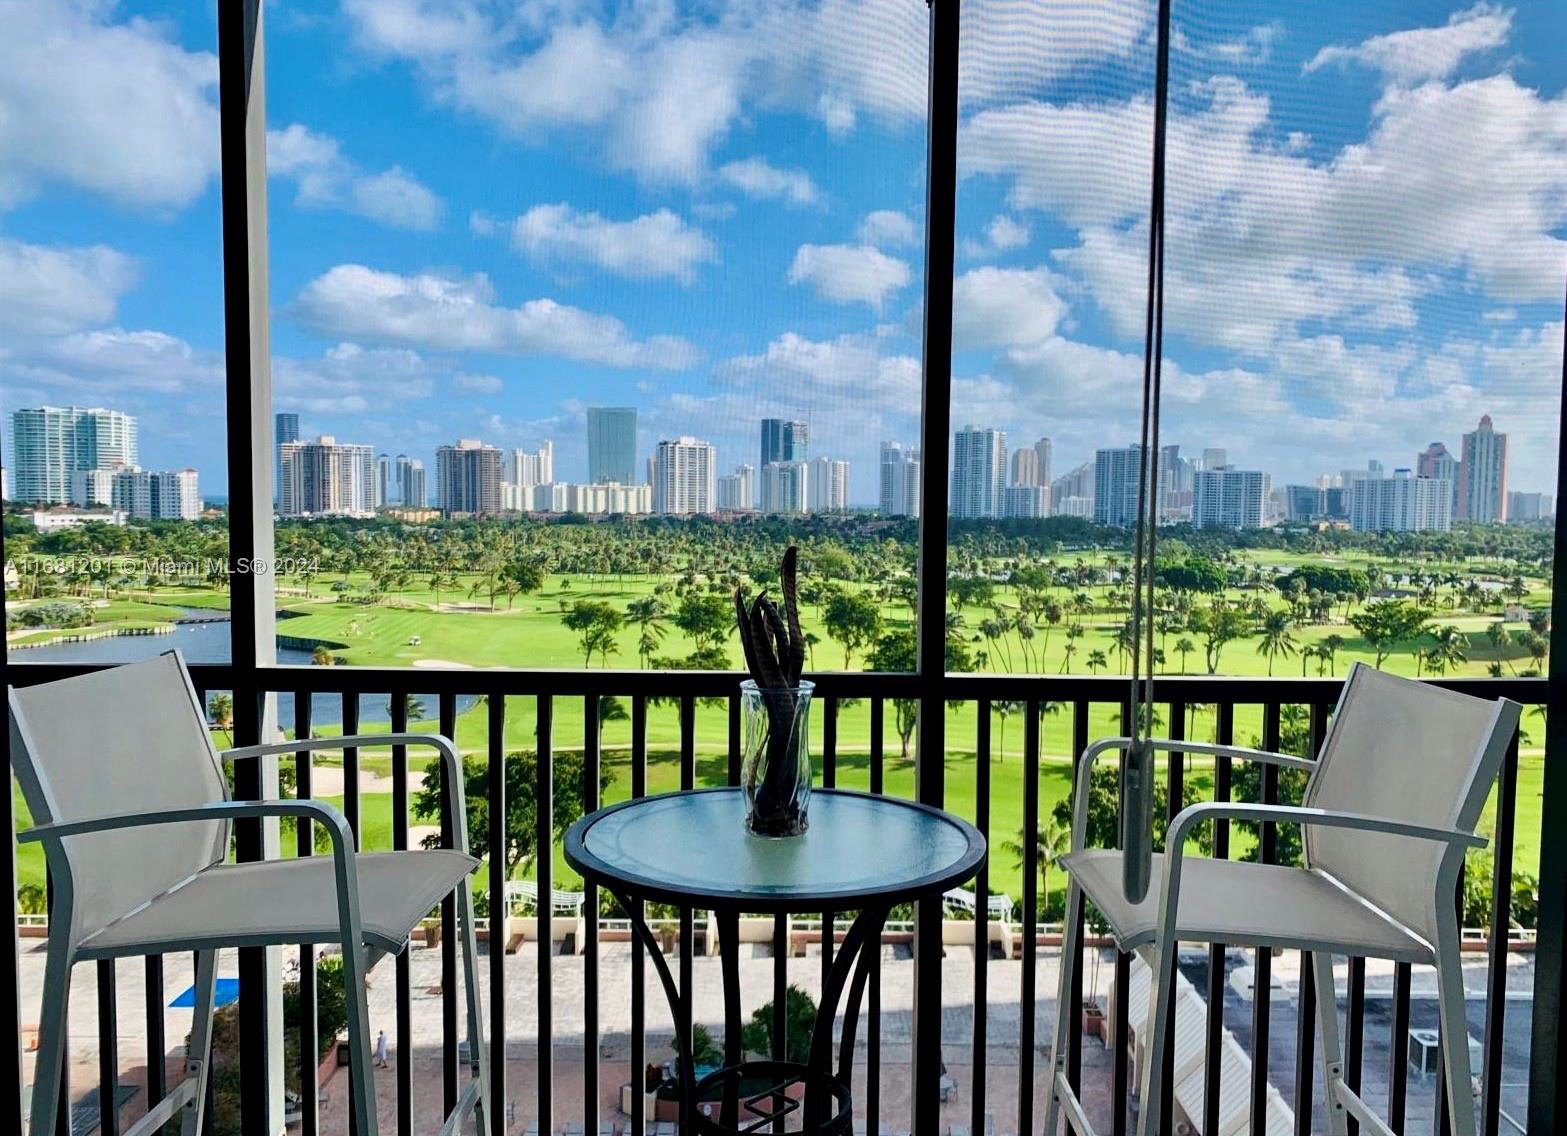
49,290
436,312
325,178
757,177
656,244
1418,54
849,274
884,227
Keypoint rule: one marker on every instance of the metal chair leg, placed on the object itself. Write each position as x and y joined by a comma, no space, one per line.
1455,1029
361,1075
52,1032
1332,1051
1161,979
1063,1034
198,1063
478,1054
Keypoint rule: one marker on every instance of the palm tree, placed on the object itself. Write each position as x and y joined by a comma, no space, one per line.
222,709
322,656
1447,649
1184,647
1053,840
1096,660
1332,644
1276,638
648,613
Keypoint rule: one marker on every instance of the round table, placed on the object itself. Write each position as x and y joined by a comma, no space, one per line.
861,853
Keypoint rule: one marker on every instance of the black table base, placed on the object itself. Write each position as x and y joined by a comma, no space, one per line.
824,1101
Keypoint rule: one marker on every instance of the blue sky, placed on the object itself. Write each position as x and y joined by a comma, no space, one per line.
485,217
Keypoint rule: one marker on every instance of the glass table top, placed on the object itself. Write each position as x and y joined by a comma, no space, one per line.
693,846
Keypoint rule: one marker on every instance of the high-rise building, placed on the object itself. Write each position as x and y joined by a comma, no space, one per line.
383,482
1215,457
783,441
91,488
1305,502
737,490
1437,461
900,481
829,485
1176,486
166,495
979,455
684,476
410,482
1401,503
1116,474
612,444
285,428
1043,451
1076,485
50,443
325,478
1229,498
1482,475
1525,507
526,470
1025,501
468,479
786,487
1023,468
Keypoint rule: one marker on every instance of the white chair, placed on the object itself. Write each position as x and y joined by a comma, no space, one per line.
1389,811
129,801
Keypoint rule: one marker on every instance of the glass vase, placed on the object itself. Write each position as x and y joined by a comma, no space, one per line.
775,770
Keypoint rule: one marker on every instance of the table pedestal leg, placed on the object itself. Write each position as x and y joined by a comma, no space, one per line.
729,959
678,1006
851,959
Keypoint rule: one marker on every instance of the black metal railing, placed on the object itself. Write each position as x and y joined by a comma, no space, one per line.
1262,701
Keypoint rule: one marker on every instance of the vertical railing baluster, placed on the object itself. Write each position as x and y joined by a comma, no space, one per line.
1175,789
829,781
1026,1023
544,872
1262,962
500,907
1224,734
1120,1075
351,769
304,845
1501,923
447,702
351,814
1355,1031
638,959
591,757
402,976
981,909
873,973
1398,1071
1306,1015
780,995
687,918
1074,1056
108,1051
157,1045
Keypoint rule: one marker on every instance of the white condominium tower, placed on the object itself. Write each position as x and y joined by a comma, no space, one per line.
737,490
900,481
166,495
829,486
978,457
50,443
684,477
1228,498
786,487
537,468
1482,475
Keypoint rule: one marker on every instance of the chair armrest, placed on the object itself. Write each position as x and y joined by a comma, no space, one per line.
456,793
1188,818
334,821
1095,750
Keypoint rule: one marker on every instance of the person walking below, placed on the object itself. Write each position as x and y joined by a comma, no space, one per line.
381,1061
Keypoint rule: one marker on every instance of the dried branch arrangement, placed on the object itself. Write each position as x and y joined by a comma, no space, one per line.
775,656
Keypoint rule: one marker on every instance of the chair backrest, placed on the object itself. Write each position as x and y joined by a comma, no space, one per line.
1412,752
121,740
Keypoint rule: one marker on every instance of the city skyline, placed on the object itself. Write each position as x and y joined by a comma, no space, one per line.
492,268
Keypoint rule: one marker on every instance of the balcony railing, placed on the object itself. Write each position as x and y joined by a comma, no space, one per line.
1081,703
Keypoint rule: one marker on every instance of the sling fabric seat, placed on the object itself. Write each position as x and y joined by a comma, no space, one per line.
132,809
1244,905
1389,810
